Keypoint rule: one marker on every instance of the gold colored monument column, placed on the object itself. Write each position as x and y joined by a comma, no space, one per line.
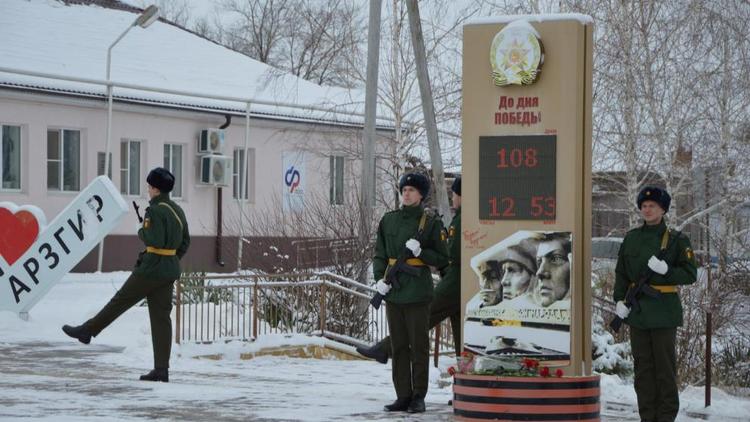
526,209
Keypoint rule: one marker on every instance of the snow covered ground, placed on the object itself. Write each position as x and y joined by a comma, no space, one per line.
46,376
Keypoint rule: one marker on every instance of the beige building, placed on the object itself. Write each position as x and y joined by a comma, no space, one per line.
53,119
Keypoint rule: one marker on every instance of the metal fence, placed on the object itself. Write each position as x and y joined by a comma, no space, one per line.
244,307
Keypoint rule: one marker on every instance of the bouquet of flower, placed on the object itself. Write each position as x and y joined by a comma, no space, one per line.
509,366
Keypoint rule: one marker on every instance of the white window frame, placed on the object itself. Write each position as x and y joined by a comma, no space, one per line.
104,164
125,190
20,155
335,170
178,177
249,169
61,160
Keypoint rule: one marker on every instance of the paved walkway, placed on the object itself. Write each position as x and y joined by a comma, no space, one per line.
67,381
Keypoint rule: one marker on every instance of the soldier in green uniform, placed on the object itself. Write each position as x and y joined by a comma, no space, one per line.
653,329
408,307
447,300
165,233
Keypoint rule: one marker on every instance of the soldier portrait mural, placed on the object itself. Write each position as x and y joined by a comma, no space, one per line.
523,304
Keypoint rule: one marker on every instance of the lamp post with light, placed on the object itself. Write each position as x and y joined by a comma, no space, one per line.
146,18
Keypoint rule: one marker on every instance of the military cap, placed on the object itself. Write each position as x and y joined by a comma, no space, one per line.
161,179
658,195
417,181
456,186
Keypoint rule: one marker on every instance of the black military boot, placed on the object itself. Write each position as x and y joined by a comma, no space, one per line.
399,405
80,332
158,374
373,352
416,405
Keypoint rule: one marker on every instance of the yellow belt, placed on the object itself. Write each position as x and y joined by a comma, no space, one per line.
663,289
162,252
414,262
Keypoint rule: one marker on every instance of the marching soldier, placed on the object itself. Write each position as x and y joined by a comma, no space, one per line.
447,300
653,329
408,308
165,233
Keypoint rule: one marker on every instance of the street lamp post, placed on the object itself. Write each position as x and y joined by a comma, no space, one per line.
149,16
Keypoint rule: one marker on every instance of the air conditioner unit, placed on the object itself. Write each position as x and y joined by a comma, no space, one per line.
215,170
211,141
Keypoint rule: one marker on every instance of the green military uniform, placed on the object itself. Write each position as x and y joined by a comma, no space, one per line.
653,329
166,236
408,308
446,302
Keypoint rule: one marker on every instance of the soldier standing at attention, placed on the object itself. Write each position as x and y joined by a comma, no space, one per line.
408,307
165,232
447,300
653,329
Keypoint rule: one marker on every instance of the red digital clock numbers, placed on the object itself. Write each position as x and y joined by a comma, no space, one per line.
516,158
517,177
506,207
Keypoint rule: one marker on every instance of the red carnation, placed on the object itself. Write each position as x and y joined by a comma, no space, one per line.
559,373
452,371
544,372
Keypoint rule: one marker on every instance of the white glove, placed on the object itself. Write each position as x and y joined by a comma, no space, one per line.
657,265
138,227
382,287
414,246
622,310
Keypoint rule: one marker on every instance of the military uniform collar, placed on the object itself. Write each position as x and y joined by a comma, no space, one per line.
658,228
412,211
162,197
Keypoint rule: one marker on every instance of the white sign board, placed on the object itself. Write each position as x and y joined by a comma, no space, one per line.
59,245
293,163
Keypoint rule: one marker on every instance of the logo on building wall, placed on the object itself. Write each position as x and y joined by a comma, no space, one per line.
292,178
293,165
516,55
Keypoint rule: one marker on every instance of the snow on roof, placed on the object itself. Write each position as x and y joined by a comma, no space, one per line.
583,19
72,40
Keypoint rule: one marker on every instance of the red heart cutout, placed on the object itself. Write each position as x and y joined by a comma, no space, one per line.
17,232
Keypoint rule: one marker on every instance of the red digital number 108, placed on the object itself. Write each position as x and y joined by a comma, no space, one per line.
517,157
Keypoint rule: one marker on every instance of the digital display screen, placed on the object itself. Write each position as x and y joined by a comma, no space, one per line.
517,177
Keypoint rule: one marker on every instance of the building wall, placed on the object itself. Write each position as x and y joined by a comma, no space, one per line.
155,126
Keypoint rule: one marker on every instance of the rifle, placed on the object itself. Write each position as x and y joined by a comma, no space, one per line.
391,275
138,214
642,287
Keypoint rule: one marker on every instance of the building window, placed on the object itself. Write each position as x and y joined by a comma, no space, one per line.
243,169
63,160
337,180
10,157
173,163
130,167
100,164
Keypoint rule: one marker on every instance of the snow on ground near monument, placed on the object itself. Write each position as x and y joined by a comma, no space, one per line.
45,375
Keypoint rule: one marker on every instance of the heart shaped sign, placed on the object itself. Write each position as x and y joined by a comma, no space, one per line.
19,228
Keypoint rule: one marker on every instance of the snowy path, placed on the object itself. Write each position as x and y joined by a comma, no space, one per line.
45,375
67,381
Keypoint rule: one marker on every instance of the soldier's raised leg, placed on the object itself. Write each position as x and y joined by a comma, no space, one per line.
132,291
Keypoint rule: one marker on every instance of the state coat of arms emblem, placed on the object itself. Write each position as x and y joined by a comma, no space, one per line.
516,55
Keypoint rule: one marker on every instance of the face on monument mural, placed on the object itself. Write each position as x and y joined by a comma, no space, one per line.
554,271
515,280
491,284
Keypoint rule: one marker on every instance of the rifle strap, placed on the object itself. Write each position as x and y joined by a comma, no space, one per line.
422,222
665,239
